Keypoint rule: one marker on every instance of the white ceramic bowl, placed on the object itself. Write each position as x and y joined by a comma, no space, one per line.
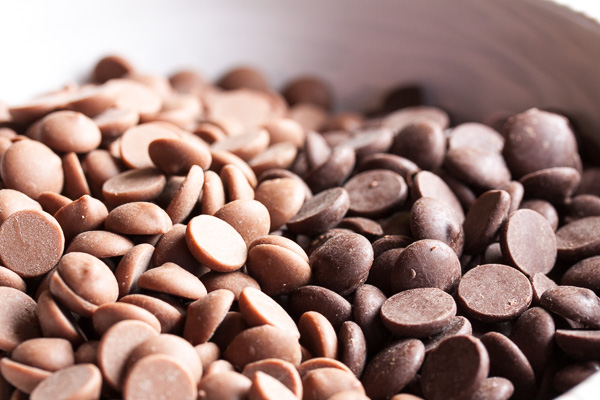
473,57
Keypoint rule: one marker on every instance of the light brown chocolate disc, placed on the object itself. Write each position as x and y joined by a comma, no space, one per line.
18,318
215,243
31,242
32,168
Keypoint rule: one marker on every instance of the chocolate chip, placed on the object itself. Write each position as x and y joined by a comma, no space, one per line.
418,312
234,282
171,279
571,375
400,119
484,219
113,122
579,344
19,320
400,165
473,134
235,183
431,218
229,328
265,386
75,184
260,342
533,333
205,315
333,256
575,303
516,191
283,371
278,264
493,255
367,304
135,185
138,218
389,242
111,67
494,388
65,131
249,217
225,384
254,275
31,242
578,239
321,362
584,274
279,155
52,202
375,193
99,166
477,167
322,383
422,142
259,309
426,263
115,347
283,130
171,317
540,283
308,90
32,168
353,347
494,293
456,369
184,200
370,141
544,208
57,321
345,120
84,214
584,205
82,282
172,247
321,212
316,298
427,184
23,377
283,198
159,375
227,253
333,172
317,335
363,226
101,244
109,314
589,182
555,185
78,381
12,201
392,368
174,346
535,129
508,361
11,279
536,256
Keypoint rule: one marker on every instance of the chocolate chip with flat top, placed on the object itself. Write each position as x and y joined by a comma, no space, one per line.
418,312
456,369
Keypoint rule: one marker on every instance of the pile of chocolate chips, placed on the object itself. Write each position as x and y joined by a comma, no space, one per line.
175,239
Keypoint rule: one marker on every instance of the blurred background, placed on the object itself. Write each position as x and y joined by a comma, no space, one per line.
472,56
